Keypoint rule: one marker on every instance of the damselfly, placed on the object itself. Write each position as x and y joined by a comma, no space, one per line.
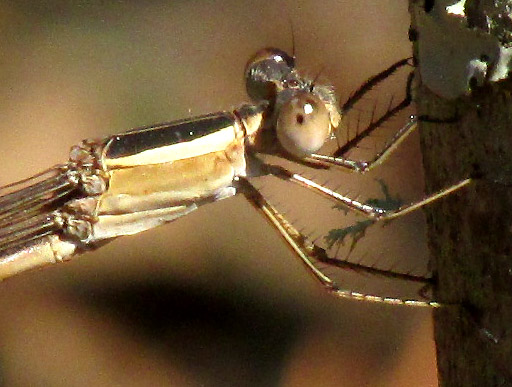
131,182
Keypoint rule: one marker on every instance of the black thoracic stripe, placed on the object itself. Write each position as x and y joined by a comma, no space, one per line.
152,137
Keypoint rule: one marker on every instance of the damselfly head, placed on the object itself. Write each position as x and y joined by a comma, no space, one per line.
302,114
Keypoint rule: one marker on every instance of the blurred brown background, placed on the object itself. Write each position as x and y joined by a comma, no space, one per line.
216,298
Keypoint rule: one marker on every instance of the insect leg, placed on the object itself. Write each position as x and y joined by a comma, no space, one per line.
308,253
365,166
368,210
392,111
371,83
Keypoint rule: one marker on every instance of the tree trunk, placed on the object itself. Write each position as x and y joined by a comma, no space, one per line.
459,76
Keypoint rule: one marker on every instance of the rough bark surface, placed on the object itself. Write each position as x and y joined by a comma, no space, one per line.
470,232
470,236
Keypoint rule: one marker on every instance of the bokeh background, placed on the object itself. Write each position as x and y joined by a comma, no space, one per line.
215,298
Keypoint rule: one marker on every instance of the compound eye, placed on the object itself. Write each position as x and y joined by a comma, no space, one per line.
274,55
265,71
303,124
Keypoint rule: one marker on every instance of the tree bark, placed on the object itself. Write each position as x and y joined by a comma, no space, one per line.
469,232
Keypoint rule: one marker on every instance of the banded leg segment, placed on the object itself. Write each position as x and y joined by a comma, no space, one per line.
370,211
365,166
308,252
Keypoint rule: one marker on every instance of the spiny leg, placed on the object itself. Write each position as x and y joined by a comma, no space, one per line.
337,157
308,252
371,211
390,112
365,166
371,83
